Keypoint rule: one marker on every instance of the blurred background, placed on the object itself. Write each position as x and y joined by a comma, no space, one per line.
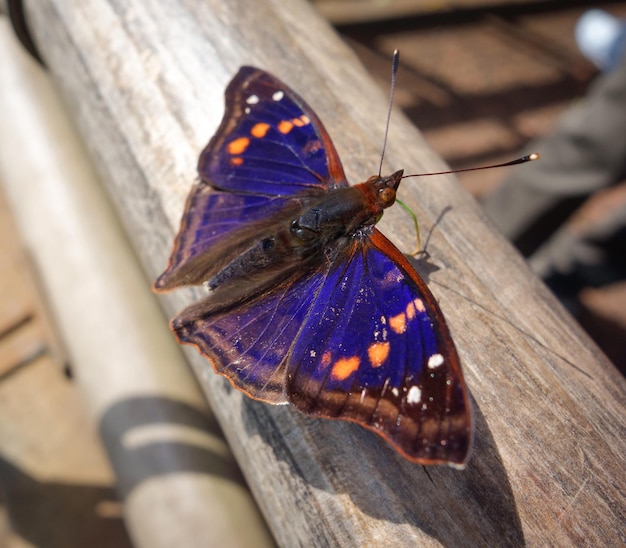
481,79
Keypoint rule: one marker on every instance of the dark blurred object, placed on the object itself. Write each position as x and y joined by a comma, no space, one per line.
585,154
17,17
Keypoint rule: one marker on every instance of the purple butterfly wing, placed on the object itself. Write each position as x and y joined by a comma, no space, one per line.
360,338
270,154
249,343
270,142
375,349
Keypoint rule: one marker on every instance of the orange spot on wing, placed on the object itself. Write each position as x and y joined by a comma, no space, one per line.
238,146
398,323
236,161
378,353
285,127
302,121
326,357
415,306
260,130
410,310
344,367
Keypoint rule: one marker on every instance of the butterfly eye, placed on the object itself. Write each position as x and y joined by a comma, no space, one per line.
386,196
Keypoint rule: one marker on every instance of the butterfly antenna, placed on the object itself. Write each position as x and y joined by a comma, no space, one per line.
394,70
522,160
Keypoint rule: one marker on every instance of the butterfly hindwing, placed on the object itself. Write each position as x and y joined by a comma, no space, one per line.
248,343
215,227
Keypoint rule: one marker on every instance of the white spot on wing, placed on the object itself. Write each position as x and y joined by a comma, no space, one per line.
278,95
395,391
382,392
435,361
252,100
414,395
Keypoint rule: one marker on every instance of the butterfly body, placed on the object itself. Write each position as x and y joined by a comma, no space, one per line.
309,303
346,211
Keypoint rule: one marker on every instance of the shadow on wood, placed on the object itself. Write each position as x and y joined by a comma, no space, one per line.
48,513
384,486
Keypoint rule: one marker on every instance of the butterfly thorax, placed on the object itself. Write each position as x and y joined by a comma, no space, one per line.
345,211
311,237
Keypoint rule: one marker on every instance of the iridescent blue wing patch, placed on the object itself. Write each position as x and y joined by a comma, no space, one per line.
249,343
359,340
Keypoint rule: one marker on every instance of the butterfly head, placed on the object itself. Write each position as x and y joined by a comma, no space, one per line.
386,188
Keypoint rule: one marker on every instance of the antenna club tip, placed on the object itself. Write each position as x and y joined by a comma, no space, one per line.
395,60
534,156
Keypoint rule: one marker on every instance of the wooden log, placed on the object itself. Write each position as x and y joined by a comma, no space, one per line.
179,483
145,82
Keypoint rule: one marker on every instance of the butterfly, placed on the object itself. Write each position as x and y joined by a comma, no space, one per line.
309,303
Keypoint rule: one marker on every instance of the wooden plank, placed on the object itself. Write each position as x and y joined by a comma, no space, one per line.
145,83
347,12
25,330
178,481
56,480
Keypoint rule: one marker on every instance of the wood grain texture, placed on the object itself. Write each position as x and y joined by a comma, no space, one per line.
145,82
172,466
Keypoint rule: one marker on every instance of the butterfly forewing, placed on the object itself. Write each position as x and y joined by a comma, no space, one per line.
270,142
269,147
372,350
